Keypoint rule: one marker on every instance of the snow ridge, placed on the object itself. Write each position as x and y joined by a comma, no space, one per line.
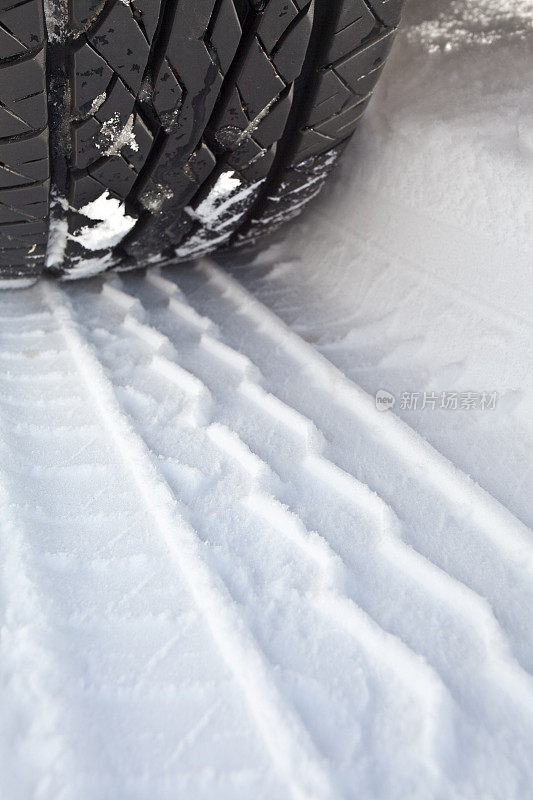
315,632
462,598
292,752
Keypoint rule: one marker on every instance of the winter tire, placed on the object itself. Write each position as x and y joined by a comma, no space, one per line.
154,131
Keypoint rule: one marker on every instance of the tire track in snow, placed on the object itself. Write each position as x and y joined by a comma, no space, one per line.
86,615
35,712
237,436
517,685
383,647
291,750
434,580
472,532
487,512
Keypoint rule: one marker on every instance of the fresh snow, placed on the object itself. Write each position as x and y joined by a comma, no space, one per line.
216,580
225,572
17,283
412,272
208,211
114,136
483,22
112,223
57,233
218,213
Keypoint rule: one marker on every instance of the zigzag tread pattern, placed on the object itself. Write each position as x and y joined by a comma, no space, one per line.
203,95
341,88
145,76
257,67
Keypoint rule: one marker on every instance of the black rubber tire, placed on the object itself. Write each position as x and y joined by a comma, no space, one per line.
175,127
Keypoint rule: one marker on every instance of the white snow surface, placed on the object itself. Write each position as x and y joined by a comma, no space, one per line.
112,223
456,24
208,211
413,270
226,203
57,232
224,572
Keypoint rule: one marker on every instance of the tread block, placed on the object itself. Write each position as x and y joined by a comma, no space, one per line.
22,27
356,70
168,94
225,31
289,53
115,174
356,13
388,11
90,80
119,40
271,128
23,160
259,82
137,151
147,15
22,96
278,15
343,124
84,12
83,190
357,30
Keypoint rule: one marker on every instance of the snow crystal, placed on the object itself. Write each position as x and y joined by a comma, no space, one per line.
87,267
218,214
56,15
113,137
480,22
57,233
154,198
16,283
223,192
97,102
113,223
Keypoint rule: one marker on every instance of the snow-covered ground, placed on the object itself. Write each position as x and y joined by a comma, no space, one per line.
225,573
413,270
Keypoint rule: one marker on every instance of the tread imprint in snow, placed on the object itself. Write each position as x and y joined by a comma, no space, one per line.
240,546
24,161
333,556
